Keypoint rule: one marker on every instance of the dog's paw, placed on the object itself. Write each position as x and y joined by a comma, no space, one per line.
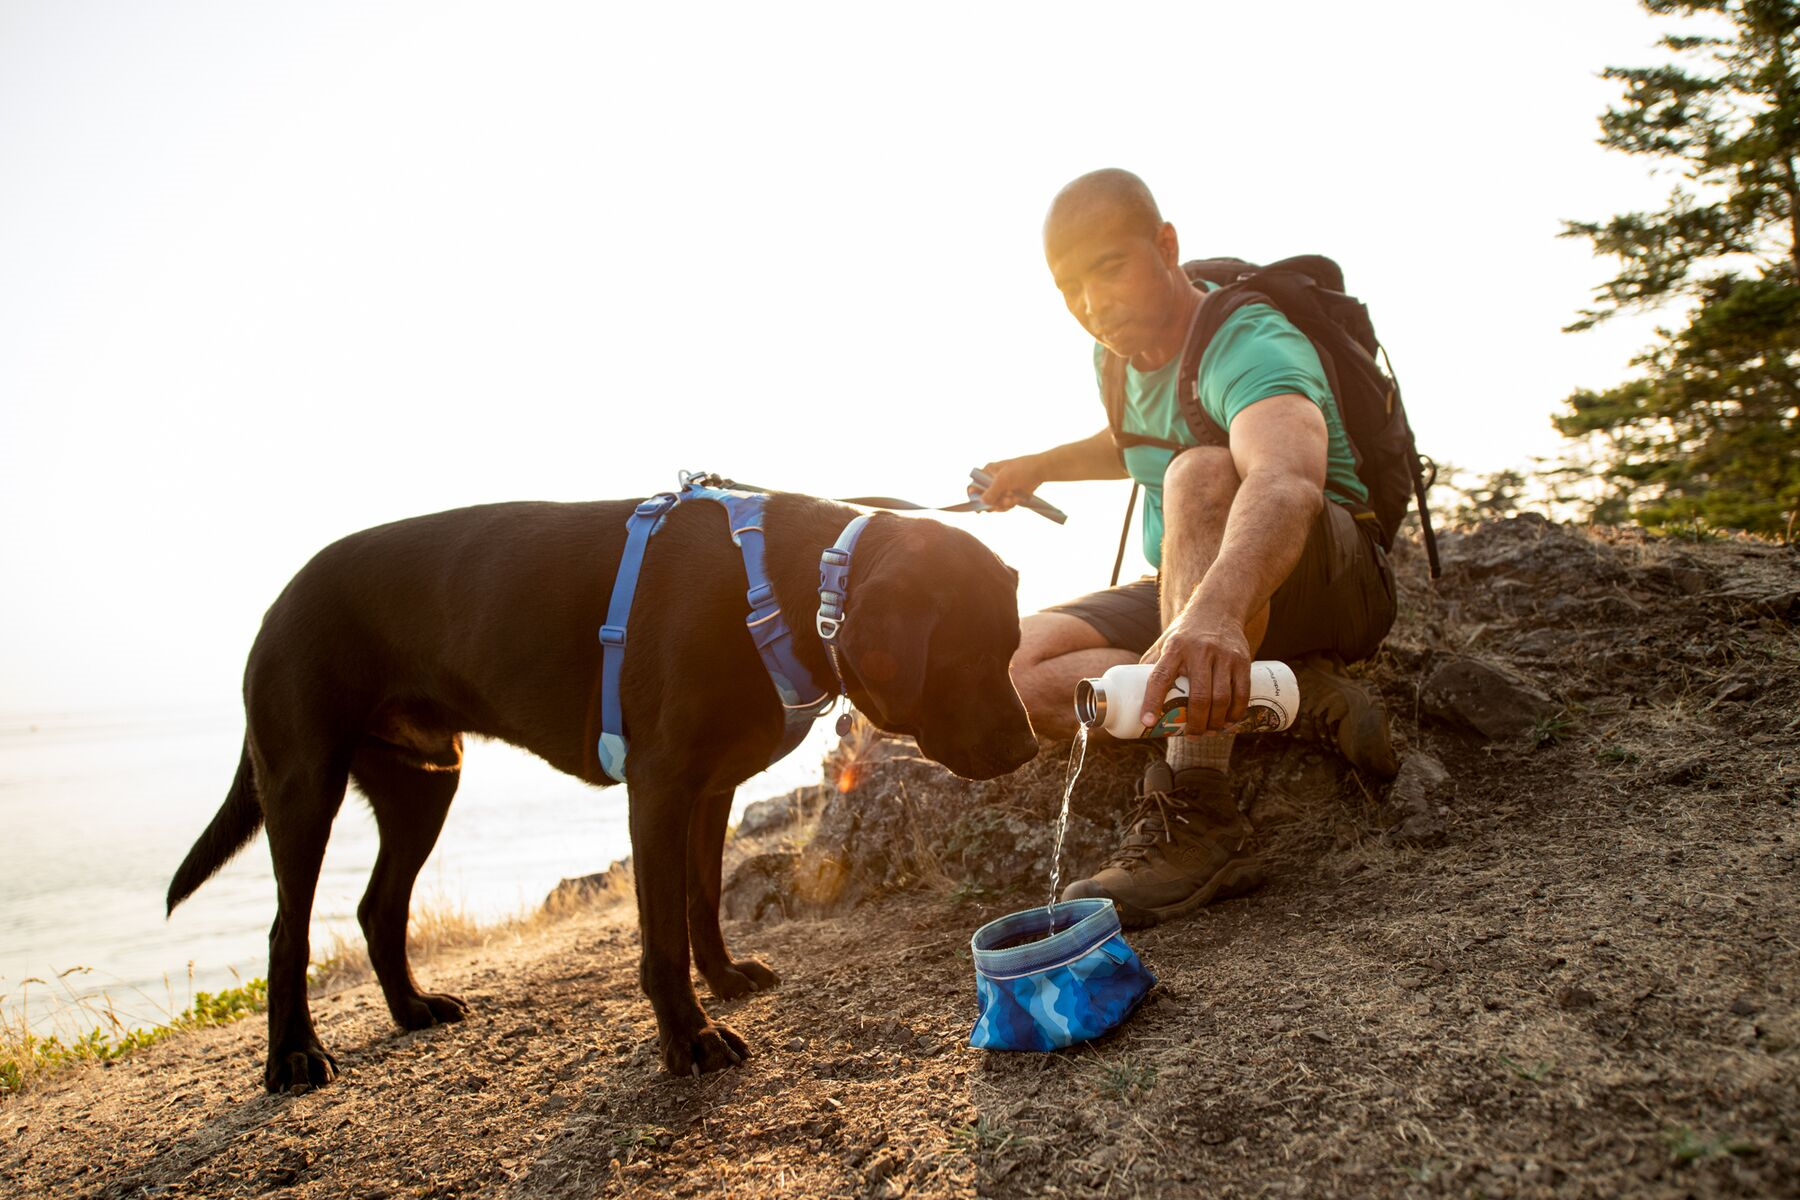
299,1069
712,1047
742,977
430,1008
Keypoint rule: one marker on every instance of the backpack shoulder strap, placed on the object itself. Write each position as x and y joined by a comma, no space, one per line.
1112,394
1289,287
1215,308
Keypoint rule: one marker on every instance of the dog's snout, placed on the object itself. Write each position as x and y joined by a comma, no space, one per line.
1025,748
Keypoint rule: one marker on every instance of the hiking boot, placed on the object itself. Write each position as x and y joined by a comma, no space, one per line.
1340,712
1186,848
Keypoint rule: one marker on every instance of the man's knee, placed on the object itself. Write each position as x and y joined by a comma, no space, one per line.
1203,477
1047,635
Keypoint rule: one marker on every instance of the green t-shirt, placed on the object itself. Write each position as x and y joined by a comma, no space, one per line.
1256,354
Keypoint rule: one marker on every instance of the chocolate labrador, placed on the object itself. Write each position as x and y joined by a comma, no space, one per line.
393,643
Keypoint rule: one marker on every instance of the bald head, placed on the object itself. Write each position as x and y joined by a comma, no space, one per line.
1117,264
1110,192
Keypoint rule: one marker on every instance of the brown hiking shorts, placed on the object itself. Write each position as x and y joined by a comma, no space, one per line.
1338,599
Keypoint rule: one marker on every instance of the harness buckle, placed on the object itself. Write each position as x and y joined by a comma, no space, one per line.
612,635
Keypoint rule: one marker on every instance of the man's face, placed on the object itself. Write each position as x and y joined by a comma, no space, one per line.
1114,279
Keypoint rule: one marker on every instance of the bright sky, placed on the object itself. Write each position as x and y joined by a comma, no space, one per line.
273,273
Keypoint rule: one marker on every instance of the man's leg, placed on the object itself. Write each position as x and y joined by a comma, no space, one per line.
1197,493
1080,640
1335,607
1188,844
1056,650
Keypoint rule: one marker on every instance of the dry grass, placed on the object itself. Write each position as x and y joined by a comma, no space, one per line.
92,1028
86,1029
440,924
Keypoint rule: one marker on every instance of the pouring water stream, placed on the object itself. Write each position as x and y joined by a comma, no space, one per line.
1077,756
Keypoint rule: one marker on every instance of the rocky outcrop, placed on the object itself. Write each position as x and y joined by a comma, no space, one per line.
1486,697
1537,633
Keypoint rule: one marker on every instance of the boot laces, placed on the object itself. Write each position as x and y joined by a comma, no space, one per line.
1149,825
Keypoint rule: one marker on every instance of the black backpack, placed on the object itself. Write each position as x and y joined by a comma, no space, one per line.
1309,292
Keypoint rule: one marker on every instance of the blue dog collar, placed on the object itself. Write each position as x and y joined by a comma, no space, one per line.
834,592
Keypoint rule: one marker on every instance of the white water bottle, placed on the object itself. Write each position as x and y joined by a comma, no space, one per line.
1115,701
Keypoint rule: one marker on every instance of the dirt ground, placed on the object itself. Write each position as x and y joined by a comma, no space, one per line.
1573,974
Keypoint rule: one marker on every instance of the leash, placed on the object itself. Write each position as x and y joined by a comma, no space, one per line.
980,482
1119,558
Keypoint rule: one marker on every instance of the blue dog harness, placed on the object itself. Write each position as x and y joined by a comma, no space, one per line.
769,629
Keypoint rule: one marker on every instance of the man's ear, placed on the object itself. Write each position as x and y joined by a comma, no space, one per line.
1169,246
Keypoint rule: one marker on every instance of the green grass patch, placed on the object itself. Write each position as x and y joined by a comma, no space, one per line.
1686,1145
985,1136
26,1057
1547,731
1534,1073
1121,1078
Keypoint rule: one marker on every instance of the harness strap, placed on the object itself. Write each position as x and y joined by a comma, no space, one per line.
643,522
803,697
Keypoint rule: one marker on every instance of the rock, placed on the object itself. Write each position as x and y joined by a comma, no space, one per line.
1782,604
1490,699
1679,578
1573,996
1541,643
615,880
1683,772
767,816
1736,691
761,888
904,822
1417,794
1529,549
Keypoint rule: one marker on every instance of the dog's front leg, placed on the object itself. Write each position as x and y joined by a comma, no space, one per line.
691,1044
727,978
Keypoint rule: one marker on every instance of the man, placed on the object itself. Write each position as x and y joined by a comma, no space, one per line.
1259,552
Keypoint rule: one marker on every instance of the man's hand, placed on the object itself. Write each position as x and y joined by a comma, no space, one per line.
1215,656
1014,479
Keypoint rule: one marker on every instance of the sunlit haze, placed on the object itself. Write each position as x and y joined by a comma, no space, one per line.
270,274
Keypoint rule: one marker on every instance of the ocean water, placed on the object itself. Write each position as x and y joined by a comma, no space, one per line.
97,809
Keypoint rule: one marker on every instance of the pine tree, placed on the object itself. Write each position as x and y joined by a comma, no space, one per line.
1710,433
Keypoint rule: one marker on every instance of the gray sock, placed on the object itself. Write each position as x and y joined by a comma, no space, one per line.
1213,751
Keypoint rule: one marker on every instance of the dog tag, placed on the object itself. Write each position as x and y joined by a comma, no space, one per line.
843,724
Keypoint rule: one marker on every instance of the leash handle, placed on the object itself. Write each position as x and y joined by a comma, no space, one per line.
983,481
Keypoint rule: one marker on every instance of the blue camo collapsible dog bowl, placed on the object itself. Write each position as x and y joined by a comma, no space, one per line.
1049,977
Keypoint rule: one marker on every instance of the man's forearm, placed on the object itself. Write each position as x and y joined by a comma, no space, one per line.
1093,457
1265,532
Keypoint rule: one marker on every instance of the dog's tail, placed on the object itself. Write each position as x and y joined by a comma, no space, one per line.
231,829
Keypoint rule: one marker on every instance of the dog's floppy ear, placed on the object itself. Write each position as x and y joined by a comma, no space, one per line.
887,636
